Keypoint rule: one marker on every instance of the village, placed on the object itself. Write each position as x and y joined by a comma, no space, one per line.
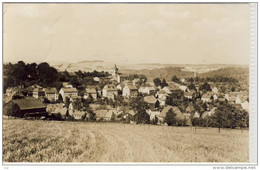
114,98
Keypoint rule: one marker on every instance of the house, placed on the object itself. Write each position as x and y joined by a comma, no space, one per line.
90,91
196,114
238,106
183,88
96,79
175,110
109,115
172,87
153,114
148,90
188,95
130,90
100,114
130,114
221,97
78,114
68,92
190,108
215,96
50,108
153,103
51,94
10,91
233,98
62,111
142,87
245,106
26,105
135,81
109,91
215,90
208,113
206,97
120,86
67,85
38,92
161,95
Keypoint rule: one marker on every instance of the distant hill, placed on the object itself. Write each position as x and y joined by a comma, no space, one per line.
166,72
154,70
239,73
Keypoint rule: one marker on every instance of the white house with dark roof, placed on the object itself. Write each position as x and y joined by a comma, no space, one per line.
68,92
109,91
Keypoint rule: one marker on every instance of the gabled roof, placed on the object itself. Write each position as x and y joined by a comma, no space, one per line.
175,109
110,87
109,114
70,90
101,113
131,87
173,87
190,108
62,111
122,85
51,90
38,90
161,92
207,95
131,112
150,88
29,103
90,90
188,94
96,87
78,113
150,99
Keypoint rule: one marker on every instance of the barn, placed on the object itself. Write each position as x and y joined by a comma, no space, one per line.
24,106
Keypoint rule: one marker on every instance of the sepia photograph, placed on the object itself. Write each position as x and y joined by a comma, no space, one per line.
126,83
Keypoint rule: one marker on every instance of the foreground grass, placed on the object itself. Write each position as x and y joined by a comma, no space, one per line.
52,141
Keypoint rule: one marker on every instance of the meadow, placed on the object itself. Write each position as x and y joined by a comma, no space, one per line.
54,141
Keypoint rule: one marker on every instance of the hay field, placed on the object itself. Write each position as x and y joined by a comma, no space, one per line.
53,141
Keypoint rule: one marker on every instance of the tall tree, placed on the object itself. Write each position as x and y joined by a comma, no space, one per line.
170,118
157,82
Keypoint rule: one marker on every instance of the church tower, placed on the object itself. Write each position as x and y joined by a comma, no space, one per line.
115,71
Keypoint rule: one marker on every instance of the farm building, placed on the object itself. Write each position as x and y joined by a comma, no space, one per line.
23,106
130,90
175,109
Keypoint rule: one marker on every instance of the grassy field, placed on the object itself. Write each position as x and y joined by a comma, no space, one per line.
53,141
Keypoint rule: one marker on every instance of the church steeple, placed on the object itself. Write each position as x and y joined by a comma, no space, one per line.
115,69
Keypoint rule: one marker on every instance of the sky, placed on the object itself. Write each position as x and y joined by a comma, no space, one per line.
127,33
